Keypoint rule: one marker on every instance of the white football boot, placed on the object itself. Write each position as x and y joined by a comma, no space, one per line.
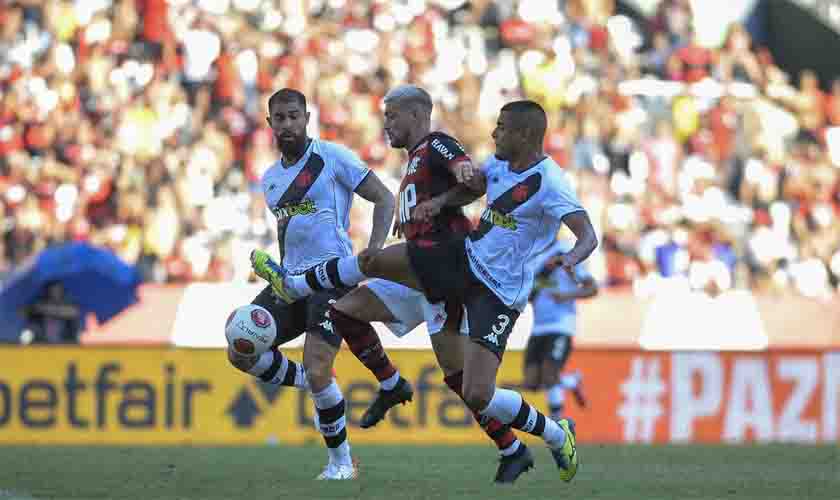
336,472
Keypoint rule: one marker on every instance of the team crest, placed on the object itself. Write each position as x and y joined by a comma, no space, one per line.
304,179
260,318
520,192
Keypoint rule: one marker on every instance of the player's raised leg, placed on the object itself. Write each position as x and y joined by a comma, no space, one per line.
351,317
391,263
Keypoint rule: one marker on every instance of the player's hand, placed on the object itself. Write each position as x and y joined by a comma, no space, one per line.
466,173
568,265
428,209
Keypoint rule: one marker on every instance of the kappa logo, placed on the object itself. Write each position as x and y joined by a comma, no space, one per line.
326,325
493,338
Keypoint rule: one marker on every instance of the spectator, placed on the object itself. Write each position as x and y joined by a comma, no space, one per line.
140,125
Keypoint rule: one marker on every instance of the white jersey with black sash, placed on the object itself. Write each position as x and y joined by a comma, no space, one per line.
311,200
524,212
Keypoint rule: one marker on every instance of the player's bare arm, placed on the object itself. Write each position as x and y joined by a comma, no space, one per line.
586,289
458,196
373,190
587,241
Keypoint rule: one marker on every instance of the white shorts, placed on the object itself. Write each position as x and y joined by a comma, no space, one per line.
410,308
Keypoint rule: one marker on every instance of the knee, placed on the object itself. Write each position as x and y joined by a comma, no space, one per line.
477,396
368,263
450,364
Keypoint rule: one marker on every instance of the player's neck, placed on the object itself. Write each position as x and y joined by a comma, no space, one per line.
415,137
292,155
526,160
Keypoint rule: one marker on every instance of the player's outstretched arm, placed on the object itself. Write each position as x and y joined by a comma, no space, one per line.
373,190
457,196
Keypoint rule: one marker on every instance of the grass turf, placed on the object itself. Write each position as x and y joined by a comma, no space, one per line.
412,472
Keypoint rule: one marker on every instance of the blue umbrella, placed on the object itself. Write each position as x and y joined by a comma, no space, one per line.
94,279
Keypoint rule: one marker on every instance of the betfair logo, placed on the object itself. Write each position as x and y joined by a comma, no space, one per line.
499,219
305,207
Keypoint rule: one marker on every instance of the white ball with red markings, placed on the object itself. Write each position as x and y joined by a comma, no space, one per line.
250,330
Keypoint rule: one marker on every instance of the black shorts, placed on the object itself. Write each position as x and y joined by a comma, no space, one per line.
445,274
554,348
440,269
307,315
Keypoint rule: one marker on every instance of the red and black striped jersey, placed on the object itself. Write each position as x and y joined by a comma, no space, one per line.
429,174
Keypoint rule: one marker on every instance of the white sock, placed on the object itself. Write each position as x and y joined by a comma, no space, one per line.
349,271
504,405
267,359
556,396
264,363
553,434
389,383
325,403
328,397
510,450
297,286
570,380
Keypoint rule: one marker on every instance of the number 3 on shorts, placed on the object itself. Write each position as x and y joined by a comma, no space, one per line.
504,321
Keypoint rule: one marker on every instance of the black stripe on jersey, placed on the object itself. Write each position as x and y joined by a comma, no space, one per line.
294,194
509,201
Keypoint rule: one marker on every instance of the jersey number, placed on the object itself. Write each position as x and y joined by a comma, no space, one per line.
408,199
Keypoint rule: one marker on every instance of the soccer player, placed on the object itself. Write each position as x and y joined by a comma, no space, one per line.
555,324
425,220
491,271
310,191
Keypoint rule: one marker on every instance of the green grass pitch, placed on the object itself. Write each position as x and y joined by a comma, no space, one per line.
411,472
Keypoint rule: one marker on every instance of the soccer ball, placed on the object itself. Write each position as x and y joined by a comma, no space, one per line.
250,330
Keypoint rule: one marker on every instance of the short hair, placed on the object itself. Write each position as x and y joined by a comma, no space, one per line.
411,95
530,116
287,95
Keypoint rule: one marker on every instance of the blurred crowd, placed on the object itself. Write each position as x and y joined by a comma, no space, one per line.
140,125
